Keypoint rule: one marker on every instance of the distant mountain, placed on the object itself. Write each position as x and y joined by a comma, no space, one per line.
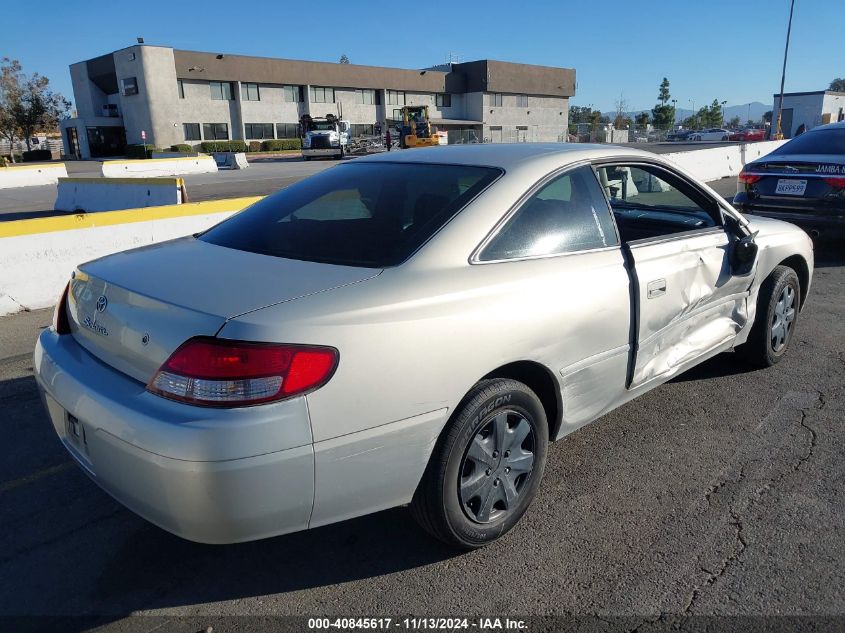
753,110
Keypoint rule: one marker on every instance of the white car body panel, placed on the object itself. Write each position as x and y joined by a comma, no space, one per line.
413,340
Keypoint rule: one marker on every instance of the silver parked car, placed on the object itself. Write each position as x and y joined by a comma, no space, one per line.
404,329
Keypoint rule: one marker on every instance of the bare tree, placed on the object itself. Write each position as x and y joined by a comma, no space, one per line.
10,98
27,104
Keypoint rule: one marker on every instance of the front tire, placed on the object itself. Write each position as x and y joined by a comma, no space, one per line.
486,467
777,315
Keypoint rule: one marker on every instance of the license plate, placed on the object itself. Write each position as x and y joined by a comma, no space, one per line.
791,187
74,430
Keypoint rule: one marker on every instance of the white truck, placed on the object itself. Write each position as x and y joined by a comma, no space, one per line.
324,136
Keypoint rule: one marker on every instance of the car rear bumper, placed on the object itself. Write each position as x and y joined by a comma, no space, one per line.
212,476
813,216
331,151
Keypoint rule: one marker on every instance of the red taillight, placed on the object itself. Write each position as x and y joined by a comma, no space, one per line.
220,373
61,324
836,183
748,179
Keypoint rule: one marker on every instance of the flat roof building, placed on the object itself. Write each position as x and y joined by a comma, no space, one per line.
162,96
806,110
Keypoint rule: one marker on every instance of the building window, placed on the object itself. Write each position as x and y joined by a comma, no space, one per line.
443,101
395,97
215,131
258,130
181,87
496,99
192,131
292,94
287,130
367,97
361,129
221,90
522,101
249,92
322,95
129,86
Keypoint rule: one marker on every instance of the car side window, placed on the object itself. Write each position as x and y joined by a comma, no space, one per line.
650,202
567,214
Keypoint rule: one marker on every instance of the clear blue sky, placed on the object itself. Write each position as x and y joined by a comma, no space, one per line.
726,49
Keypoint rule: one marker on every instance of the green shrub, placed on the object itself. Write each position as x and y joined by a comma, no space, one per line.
255,146
181,147
140,151
223,146
281,144
34,155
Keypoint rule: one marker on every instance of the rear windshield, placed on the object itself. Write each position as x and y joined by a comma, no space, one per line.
358,214
831,141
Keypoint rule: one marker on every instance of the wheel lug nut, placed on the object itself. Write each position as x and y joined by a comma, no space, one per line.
507,453
495,453
507,469
496,483
489,472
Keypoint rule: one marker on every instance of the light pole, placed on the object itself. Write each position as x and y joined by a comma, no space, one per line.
723,111
674,113
778,132
694,113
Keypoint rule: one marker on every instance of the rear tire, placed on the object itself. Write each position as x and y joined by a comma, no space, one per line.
486,466
777,315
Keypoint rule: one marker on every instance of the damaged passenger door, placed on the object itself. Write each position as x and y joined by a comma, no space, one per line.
689,286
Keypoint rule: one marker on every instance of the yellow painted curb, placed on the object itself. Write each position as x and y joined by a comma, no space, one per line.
35,166
125,216
177,182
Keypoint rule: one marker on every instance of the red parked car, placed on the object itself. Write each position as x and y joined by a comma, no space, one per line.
748,135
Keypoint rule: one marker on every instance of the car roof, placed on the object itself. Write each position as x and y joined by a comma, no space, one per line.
506,155
829,126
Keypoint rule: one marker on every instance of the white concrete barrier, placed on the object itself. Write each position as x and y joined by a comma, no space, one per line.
31,175
111,194
145,168
231,160
37,256
720,162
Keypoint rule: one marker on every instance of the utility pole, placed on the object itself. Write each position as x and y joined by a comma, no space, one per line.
778,132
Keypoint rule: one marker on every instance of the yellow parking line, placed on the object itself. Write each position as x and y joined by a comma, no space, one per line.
35,166
125,216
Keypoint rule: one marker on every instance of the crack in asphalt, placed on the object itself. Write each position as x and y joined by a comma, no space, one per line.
740,544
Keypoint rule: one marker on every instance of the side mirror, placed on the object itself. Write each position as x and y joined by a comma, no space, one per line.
743,254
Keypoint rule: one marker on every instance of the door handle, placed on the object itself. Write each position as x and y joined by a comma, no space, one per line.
656,288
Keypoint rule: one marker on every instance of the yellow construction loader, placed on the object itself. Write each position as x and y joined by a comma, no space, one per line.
415,129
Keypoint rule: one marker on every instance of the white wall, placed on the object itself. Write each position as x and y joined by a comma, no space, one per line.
31,175
34,268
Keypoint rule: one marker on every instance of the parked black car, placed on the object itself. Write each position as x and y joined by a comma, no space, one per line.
679,135
803,182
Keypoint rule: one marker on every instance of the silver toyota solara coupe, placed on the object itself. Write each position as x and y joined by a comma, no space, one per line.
407,328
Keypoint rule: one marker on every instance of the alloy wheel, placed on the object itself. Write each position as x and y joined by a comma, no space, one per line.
497,465
783,318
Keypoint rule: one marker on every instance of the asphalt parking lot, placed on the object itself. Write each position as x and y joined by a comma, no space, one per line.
718,494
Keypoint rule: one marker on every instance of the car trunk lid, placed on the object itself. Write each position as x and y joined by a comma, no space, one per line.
133,309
